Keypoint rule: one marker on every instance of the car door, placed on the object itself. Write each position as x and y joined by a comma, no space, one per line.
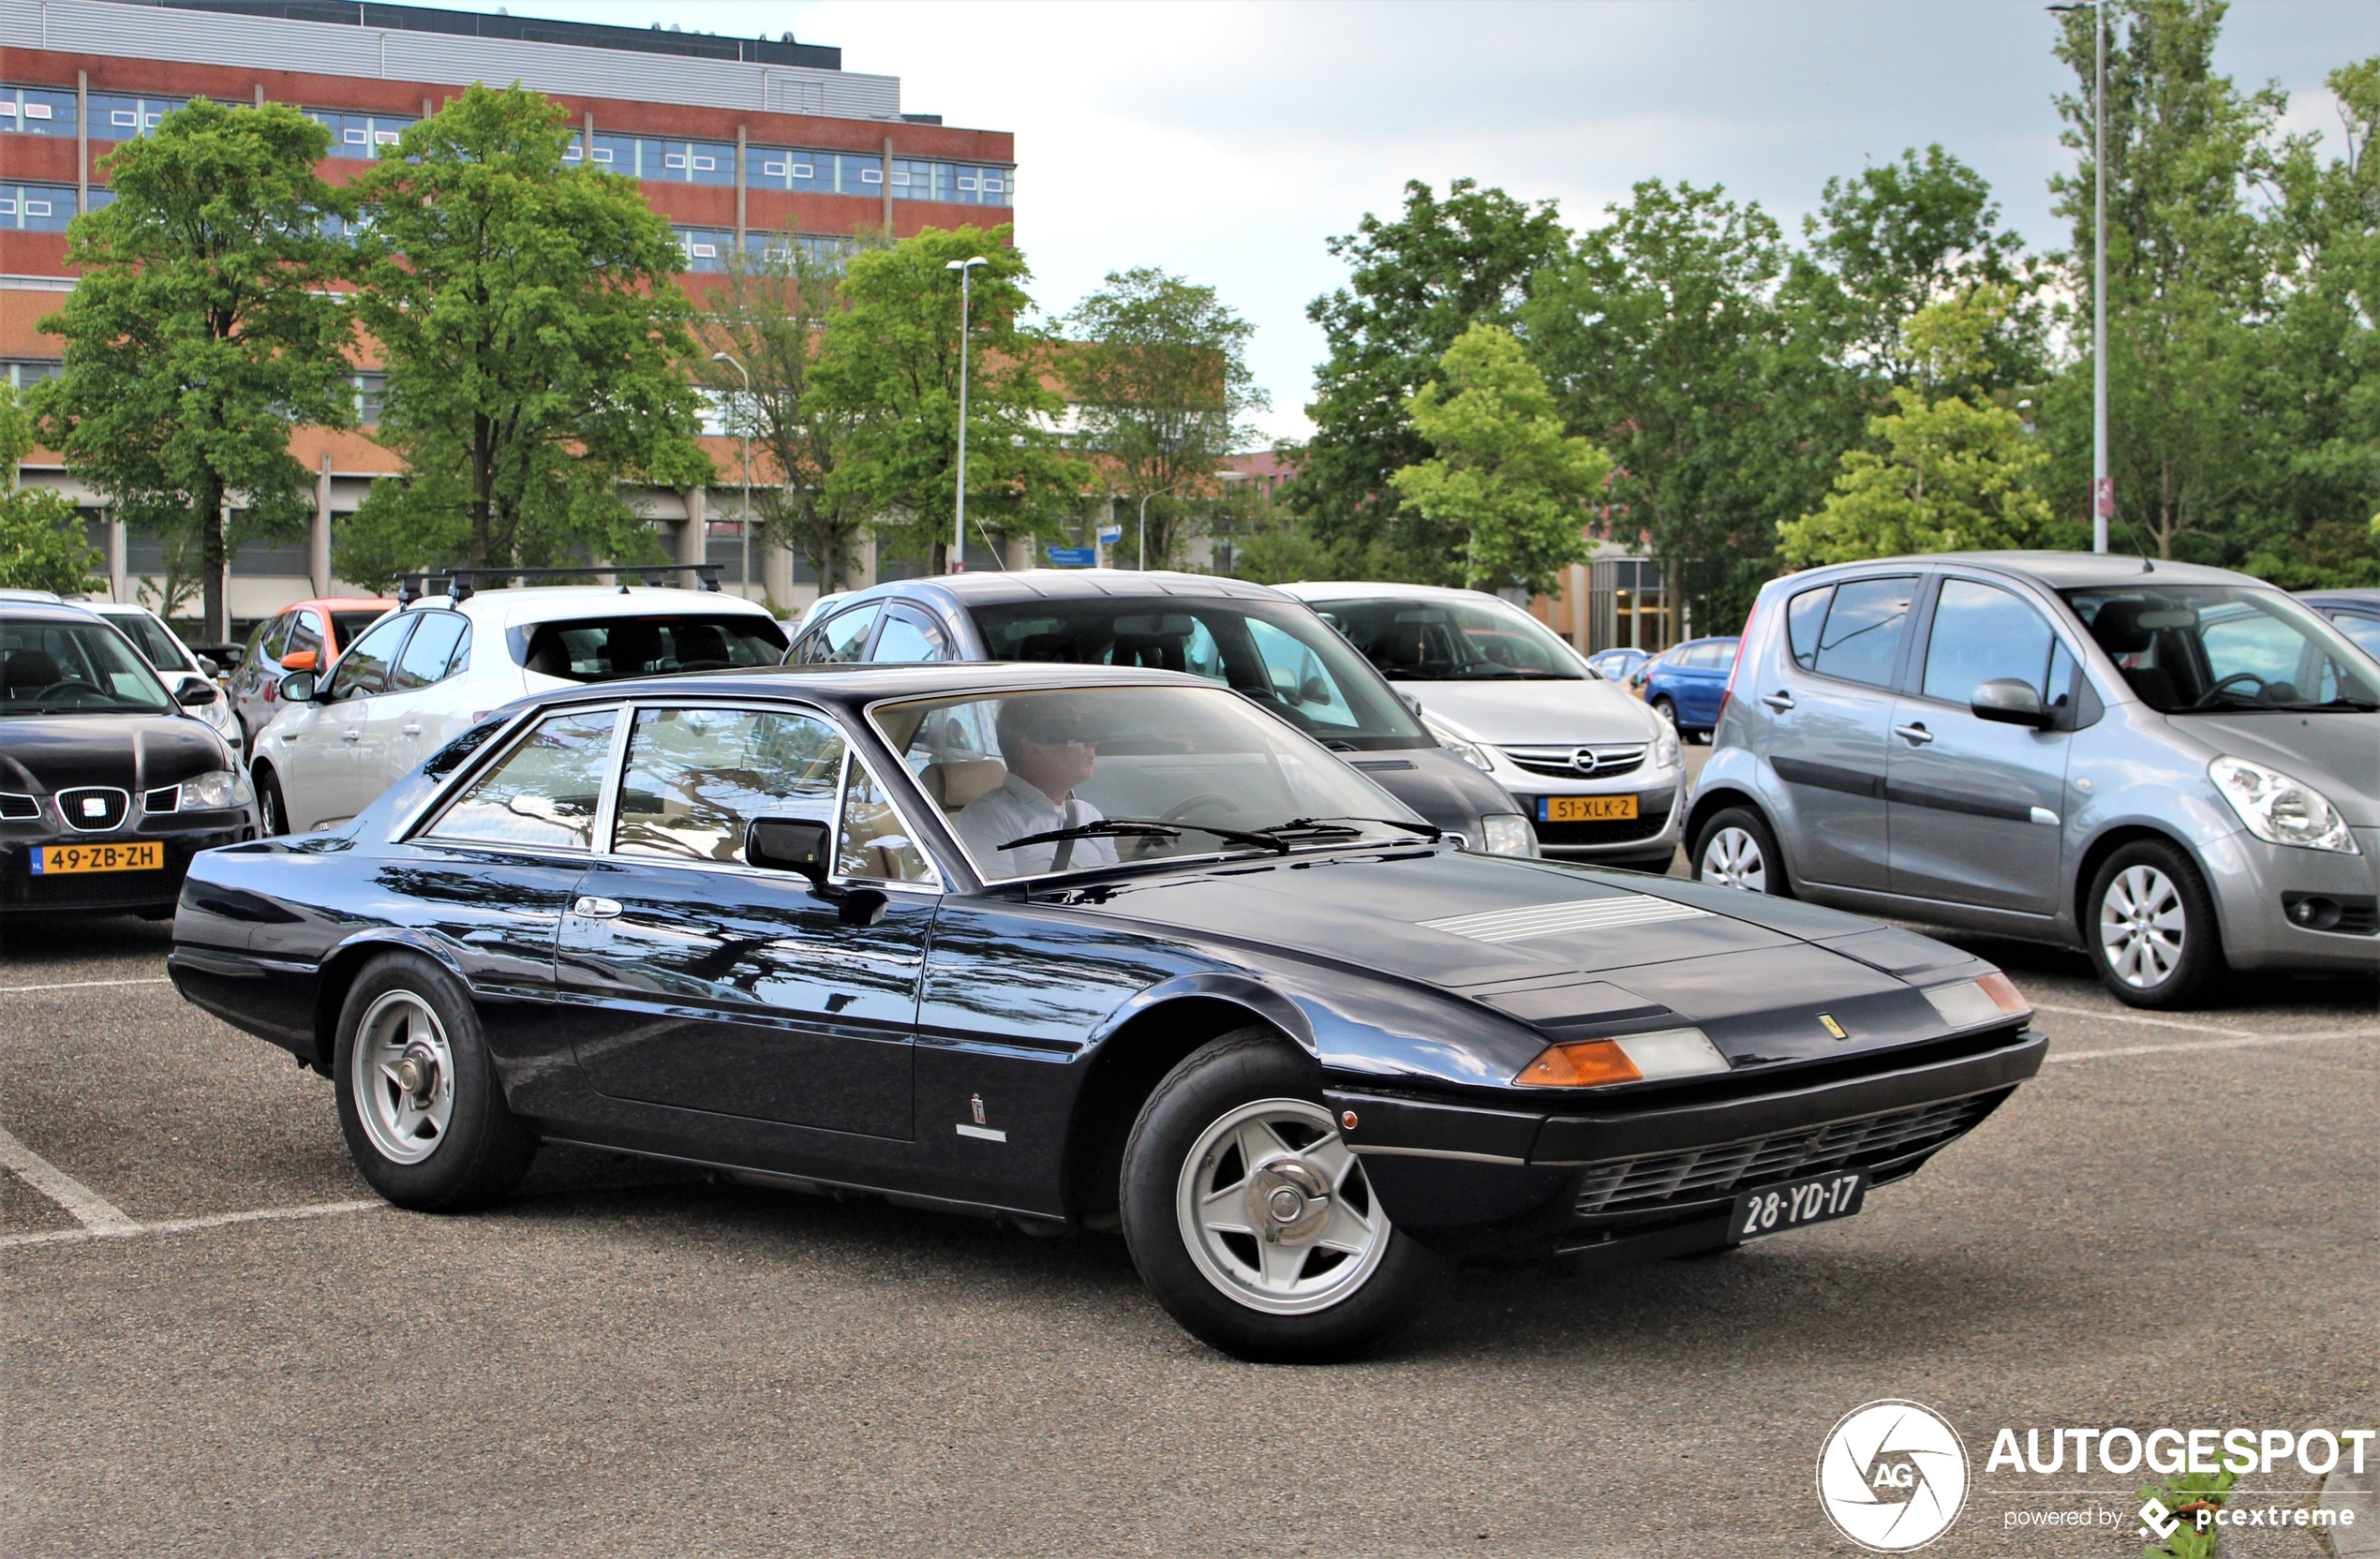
1705,680
418,714
1975,808
909,635
701,983
362,723
1830,696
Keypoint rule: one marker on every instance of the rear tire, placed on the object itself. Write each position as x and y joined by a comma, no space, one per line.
2150,923
423,1115
1251,1223
1668,711
1735,849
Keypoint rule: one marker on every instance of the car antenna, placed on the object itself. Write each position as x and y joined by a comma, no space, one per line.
2146,566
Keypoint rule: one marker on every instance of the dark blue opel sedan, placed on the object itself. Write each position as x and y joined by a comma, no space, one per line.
1083,948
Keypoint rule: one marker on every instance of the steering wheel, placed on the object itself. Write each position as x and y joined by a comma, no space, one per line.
1180,810
2213,693
69,682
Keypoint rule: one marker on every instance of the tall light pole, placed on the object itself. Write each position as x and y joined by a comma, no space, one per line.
744,423
2103,487
966,269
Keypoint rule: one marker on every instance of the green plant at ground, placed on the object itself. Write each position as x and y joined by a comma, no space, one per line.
2187,1495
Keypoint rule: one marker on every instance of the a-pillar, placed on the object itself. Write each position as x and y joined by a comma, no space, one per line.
319,560
694,540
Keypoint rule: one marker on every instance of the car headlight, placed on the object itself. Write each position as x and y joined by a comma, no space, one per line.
1665,746
2280,810
1470,752
223,787
1972,1002
1646,1057
1507,834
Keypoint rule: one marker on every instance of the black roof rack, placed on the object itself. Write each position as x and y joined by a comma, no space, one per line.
463,583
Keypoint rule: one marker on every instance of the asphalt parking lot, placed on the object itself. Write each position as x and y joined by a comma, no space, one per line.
218,1344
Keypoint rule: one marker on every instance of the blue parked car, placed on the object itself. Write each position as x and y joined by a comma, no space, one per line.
1685,683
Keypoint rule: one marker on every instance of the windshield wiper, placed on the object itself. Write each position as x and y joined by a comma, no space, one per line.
1125,827
1336,824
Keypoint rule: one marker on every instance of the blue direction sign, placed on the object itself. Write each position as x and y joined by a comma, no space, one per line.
1073,558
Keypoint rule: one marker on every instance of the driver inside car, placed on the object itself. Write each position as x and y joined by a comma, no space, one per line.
1049,750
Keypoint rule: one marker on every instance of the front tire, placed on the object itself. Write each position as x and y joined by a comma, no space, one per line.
1735,849
419,1101
1249,1219
2151,925
272,812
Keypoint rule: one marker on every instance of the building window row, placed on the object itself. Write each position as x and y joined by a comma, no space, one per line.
361,135
713,249
23,373
953,182
43,207
36,111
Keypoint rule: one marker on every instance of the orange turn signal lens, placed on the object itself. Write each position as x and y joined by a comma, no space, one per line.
2004,993
1580,1063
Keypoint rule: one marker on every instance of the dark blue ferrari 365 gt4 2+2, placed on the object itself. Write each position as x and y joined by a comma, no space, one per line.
1085,948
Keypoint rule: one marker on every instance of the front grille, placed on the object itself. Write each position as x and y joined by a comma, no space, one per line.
94,809
1579,762
19,808
164,799
1705,1174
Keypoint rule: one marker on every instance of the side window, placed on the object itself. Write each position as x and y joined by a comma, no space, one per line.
873,842
1982,633
1299,678
437,647
541,792
841,637
1862,637
305,633
2363,630
696,777
909,637
1804,616
363,669
269,632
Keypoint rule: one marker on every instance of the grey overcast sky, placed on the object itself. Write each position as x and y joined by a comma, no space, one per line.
1225,142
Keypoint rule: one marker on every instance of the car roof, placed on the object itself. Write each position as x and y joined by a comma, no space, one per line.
1342,589
47,611
987,589
2059,570
557,602
340,603
860,683
2341,598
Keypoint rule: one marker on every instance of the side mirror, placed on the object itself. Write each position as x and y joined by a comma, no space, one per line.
801,845
2009,701
196,695
208,667
1411,702
304,660
297,687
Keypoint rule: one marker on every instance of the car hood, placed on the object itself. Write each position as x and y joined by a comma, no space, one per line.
55,752
1436,785
2337,754
1537,714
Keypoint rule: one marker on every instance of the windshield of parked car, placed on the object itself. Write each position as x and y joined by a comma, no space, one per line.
2207,648
1431,640
1080,779
1276,652
58,668
602,649
349,625
157,641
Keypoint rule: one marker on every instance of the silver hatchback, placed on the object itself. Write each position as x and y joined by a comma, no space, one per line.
2174,768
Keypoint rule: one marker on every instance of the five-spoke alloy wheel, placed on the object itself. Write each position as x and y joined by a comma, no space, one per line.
1277,1212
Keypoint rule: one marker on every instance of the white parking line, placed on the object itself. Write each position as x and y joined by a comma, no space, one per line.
2240,1043
2134,1018
79,985
180,1226
97,1215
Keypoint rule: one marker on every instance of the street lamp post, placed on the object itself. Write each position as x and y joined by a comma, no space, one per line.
959,521
2102,485
744,426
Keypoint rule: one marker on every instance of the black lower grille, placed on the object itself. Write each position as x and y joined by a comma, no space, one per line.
1641,827
2354,914
1704,1174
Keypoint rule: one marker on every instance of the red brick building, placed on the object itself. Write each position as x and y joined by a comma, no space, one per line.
733,140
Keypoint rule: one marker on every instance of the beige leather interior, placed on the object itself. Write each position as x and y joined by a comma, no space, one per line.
955,783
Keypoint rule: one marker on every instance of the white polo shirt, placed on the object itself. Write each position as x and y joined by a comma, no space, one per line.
1016,810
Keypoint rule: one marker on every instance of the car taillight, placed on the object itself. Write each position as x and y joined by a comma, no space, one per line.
1743,643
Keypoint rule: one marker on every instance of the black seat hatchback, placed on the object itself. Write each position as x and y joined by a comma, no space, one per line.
107,786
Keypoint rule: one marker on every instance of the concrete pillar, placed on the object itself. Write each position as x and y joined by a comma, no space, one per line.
776,575
119,584
318,558
860,569
1017,553
888,226
1578,606
82,141
694,538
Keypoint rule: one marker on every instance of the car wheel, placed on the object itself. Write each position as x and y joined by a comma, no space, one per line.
1668,711
272,812
2152,923
1249,1219
1734,848
419,1101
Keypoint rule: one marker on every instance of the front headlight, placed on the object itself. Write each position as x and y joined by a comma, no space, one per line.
1647,1058
2280,810
1470,752
1665,746
210,792
1507,834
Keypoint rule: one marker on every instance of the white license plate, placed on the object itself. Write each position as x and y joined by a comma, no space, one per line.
1798,1204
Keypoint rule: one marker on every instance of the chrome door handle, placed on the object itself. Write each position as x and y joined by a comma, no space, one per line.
1780,700
596,909
1917,735
350,735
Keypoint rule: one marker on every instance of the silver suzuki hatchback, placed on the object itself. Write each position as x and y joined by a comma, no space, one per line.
2174,768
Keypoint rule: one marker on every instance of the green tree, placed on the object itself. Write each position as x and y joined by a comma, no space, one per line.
768,312
41,545
534,335
1420,280
1504,477
889,361
1157,370
1951,474
201,329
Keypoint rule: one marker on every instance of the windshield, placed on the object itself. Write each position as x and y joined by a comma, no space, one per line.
2201,648
1436,641
602,649
157,641
350,626
1277,653
58,668
1126,775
